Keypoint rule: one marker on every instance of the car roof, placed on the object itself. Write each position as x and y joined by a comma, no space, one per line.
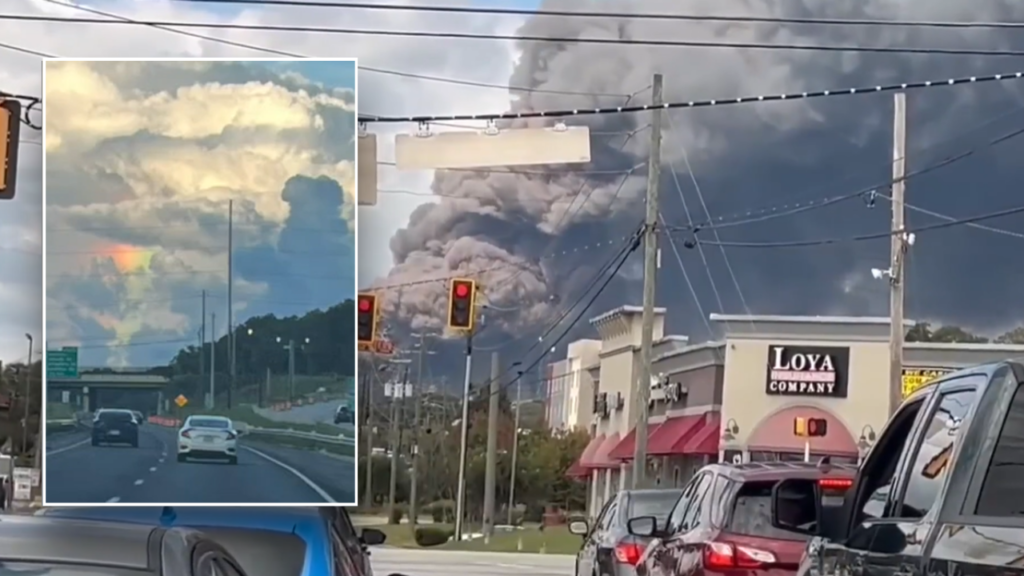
278,519
29,538
773,471
209,417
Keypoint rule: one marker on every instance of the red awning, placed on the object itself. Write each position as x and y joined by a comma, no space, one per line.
706,440
577,471
601,459
624,449
670,437
588,452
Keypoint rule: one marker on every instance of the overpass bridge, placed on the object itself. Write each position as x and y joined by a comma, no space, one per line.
85,390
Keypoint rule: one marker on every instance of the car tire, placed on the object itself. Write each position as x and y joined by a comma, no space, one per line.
182,458
233,460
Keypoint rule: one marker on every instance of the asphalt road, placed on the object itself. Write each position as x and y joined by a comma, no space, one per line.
77,473
412,562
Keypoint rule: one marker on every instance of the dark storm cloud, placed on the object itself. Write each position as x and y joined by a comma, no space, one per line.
746,158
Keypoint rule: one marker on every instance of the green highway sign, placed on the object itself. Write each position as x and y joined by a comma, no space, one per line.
62,363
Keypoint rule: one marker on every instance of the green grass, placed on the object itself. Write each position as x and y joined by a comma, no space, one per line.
56,411
555,540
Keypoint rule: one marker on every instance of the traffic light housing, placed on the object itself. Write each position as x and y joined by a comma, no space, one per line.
810,427
366,318
462,304
10,129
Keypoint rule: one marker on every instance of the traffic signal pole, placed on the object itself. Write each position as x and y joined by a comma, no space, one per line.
460,502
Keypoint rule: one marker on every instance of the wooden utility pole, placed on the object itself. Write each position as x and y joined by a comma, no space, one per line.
490,472
397,393
643,383
370,430
414,450
898,252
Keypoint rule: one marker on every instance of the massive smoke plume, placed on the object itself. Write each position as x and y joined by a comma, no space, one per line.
744,158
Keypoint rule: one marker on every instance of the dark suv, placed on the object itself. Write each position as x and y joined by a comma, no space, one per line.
115,427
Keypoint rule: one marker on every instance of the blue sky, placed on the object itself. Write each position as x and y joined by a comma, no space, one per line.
330,74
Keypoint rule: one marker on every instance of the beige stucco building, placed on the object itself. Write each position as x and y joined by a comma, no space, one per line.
736,399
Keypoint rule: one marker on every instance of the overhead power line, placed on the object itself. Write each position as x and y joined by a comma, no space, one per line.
277,52
618,15
525,38
863,237
564,113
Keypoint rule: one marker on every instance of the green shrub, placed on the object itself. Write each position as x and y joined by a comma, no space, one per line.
442,511
427,536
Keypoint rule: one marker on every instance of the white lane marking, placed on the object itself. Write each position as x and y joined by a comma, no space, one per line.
68,447
152,468
161,461
320,491
114,499
138,482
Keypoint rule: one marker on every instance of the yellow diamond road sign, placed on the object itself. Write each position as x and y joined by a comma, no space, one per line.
181,401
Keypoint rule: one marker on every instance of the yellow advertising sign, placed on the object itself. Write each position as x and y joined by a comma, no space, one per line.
914,378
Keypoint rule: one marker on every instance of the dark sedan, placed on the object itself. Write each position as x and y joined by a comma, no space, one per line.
58,547
115,427
608,549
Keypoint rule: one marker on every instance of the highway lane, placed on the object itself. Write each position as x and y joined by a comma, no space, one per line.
77,472
414,562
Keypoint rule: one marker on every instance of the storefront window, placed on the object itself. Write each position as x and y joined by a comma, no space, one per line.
759,456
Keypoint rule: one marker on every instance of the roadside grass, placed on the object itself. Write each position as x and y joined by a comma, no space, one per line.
57,411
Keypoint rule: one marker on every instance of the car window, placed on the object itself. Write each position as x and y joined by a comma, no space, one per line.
1002,490
112,416
657,504
934,454
675,518
340,523
610,518
344,562
692,517
720,498
209,423
601,515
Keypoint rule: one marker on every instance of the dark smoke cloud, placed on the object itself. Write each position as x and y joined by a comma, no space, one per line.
744,158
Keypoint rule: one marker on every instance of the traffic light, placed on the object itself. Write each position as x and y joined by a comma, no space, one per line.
462,304
10,127
366,318
810,427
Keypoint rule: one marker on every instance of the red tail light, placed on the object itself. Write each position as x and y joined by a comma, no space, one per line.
629,553
726,556
836,483
186,433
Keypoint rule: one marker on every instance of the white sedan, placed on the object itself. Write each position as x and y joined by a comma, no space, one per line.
208,437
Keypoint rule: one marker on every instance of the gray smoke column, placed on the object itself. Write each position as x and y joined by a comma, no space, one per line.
748,156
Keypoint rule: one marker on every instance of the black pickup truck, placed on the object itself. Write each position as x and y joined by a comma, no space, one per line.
941,493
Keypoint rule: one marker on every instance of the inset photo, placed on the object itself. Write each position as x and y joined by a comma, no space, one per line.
200,277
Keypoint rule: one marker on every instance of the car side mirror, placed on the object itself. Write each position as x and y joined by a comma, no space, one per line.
372,537
579,528
643,526
796,506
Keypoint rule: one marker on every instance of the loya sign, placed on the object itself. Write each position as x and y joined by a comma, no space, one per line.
807,371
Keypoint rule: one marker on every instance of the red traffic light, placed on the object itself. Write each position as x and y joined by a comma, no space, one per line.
461,290
817,427
365,304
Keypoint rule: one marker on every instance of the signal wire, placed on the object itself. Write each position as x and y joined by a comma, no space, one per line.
617,15
526,38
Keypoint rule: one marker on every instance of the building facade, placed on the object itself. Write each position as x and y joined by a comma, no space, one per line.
556,380
736,400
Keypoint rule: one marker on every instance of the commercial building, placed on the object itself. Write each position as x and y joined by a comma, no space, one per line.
736,399
569,400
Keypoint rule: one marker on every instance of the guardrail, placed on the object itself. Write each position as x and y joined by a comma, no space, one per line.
339,444
61,425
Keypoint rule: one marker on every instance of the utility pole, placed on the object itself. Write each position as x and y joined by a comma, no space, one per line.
898,251
202,341
460,502
397,393
231,311
643,383
28,402
414,509
370,378
213,361
515,449
291,370
490,472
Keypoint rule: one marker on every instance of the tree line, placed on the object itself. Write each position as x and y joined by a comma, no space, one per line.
924,332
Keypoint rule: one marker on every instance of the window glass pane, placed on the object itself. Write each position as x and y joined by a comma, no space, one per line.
1002,492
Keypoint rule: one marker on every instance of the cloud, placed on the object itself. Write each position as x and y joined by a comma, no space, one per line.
143,160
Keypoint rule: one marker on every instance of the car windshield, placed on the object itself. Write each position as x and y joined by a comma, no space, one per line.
654,503
752,512
209,423
111,416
